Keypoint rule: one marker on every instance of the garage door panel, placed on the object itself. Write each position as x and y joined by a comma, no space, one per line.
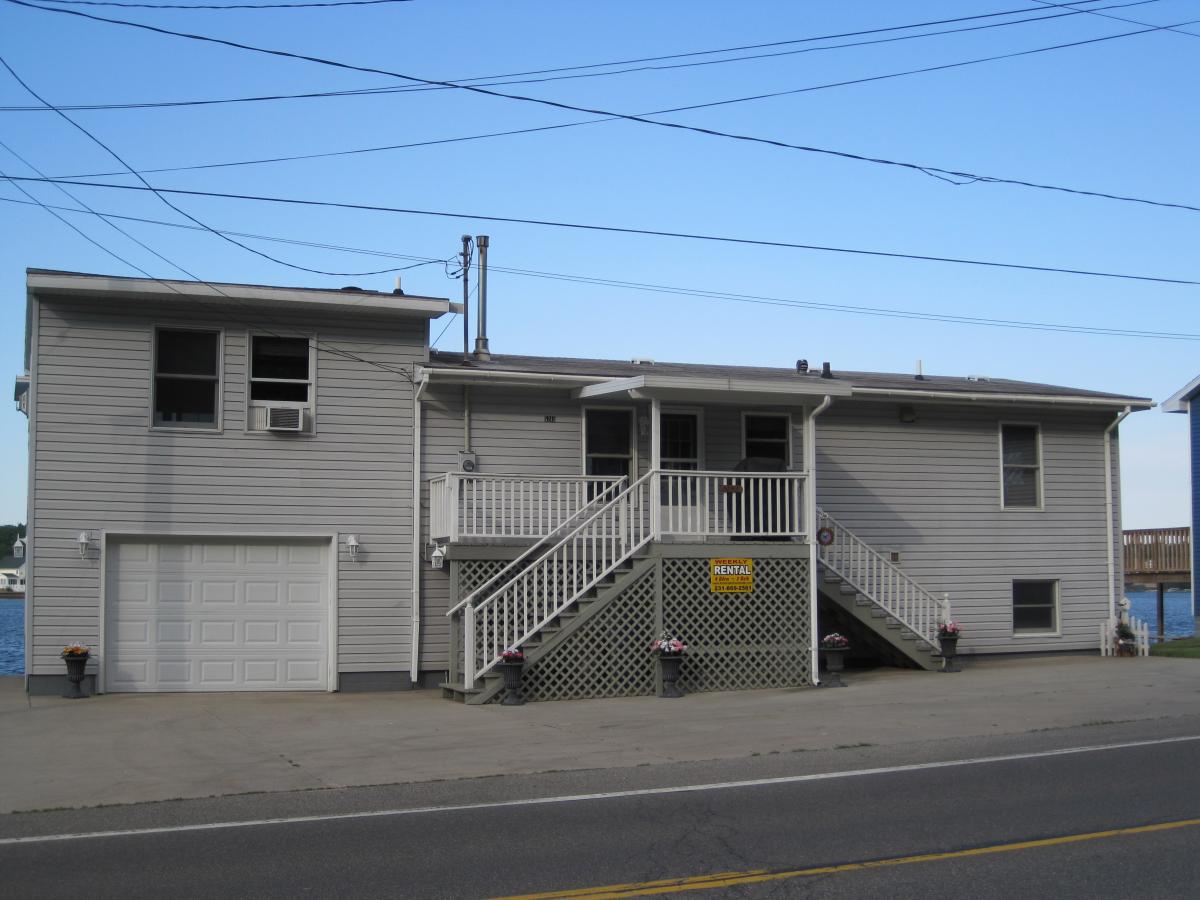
217,616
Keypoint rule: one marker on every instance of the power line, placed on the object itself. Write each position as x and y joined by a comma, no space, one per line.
496,80
1096,12
230,6
616,229
149,187
932,171
887,312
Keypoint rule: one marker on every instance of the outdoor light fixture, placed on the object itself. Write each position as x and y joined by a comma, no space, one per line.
352,545
437,559
85,543
908,415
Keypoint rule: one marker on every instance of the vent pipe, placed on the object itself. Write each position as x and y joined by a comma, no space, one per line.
826,372
481,342
466,312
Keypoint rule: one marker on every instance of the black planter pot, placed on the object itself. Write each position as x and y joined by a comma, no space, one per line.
835,663
512,683
75,668
949,644
668,667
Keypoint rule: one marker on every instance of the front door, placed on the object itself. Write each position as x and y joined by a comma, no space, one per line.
679,451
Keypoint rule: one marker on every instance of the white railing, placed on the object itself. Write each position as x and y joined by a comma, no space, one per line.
730,504
878,578
555,579
683,504
1110,644
506,506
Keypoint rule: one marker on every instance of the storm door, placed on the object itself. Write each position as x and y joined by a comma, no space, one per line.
608,442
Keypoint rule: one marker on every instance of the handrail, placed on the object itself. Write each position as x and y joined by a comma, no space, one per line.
529,551
624,529
873,575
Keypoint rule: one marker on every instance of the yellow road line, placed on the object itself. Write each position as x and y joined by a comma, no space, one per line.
755,876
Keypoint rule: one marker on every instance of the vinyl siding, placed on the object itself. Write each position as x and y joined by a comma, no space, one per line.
931,492
99,466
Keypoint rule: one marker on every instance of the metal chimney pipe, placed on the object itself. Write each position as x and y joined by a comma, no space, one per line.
481,342
466,278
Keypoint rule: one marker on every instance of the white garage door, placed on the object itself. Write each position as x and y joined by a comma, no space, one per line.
213,615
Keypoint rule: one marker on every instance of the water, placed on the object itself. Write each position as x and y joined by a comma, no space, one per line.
1177,606
12,637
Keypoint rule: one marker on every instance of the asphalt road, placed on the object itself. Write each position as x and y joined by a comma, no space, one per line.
959,821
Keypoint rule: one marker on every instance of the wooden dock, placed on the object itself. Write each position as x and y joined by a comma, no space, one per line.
1158,557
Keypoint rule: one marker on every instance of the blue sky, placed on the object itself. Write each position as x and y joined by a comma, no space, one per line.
1114,116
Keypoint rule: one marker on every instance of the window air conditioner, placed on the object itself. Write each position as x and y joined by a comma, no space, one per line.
283,418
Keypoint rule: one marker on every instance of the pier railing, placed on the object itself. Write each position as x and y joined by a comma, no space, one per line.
1158,551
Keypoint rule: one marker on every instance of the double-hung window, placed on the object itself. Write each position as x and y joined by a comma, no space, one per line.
1035,607
187,380
281,370
766,437
1021,466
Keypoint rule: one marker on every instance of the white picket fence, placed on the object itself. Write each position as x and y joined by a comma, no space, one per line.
1108,636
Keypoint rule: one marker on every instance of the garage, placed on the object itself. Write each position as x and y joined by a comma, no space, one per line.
217,615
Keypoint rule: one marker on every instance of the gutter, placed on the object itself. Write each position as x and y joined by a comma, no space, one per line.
975,397
414,656
468,376
810,516
1109,510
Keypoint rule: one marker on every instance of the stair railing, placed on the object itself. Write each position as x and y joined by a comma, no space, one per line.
546,585
875,576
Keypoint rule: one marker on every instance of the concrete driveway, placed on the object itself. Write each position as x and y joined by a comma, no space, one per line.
127,748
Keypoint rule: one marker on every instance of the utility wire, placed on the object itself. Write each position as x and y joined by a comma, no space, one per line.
500,80
616,229
151,188
1096,12
932,171
710,294
223,6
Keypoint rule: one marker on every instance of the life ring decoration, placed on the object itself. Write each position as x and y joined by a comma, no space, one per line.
824,536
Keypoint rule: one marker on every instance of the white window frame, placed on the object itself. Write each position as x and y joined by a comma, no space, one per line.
633,440
310,407
1038,632
219,424
1041,468
748,413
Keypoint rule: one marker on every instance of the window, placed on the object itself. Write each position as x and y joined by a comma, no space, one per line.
679,451
767,437
1020,454
280,375
186,378
608,442
1035,607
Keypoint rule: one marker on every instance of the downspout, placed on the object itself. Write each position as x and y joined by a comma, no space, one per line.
414,655
810,528
1108,511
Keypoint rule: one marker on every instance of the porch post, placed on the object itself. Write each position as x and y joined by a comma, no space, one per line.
655,465
452,501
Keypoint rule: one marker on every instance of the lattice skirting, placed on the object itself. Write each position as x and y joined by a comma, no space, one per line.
735,641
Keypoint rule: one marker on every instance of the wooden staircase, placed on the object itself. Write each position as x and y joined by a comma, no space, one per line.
897,643
557,630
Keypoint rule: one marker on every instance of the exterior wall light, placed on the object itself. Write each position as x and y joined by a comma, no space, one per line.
437,558
352,545
85,544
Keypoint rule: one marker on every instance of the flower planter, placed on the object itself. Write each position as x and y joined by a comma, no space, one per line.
835,664
949,644
76,664
512,683
668,667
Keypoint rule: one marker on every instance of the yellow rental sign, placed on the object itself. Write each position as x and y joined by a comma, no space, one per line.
731,576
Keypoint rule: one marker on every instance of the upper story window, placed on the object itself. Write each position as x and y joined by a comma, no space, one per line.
1021,462
281,370
187,380
767,437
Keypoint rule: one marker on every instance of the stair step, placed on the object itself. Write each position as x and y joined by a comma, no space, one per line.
847,588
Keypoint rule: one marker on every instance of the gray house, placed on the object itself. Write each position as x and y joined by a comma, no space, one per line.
221,483
221,505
